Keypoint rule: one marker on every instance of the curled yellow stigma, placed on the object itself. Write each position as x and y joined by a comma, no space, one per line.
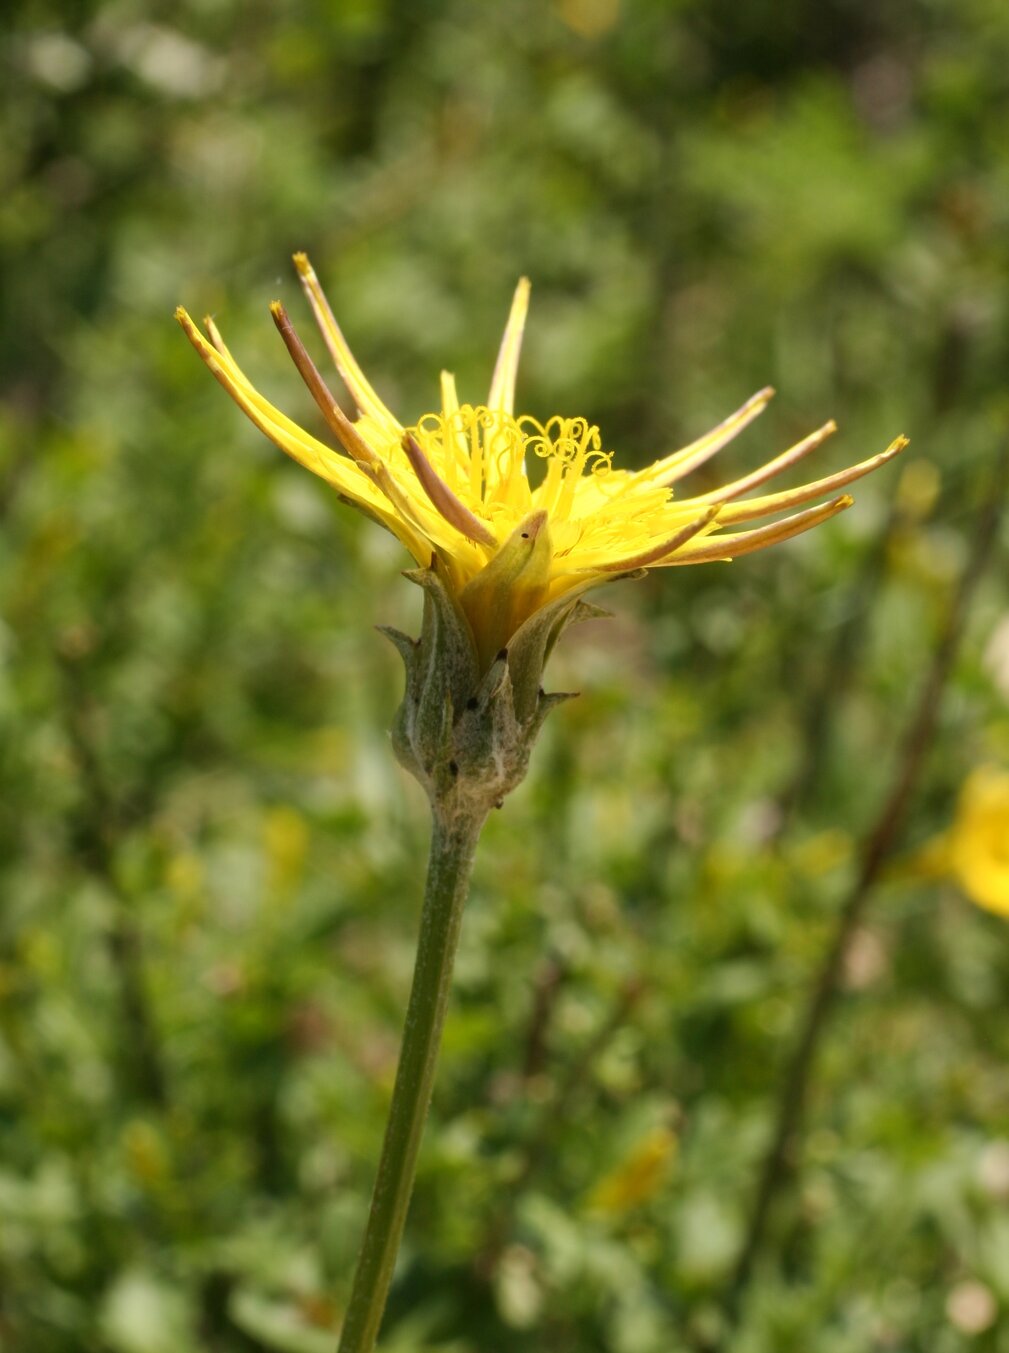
518,512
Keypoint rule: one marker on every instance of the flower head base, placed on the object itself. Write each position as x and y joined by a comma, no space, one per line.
456,487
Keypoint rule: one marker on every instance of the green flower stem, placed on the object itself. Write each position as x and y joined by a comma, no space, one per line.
453,845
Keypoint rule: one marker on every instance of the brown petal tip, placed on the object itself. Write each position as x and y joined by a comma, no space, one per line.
446,502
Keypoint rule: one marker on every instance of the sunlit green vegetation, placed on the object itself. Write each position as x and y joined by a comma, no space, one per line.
211,865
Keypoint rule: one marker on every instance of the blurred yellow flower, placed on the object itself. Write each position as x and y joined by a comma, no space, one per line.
639,1177
144,1150
455,488
285,841
918,489
184,874
589,18
975,850
819,854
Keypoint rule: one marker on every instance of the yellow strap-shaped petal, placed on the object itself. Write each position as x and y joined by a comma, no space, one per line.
753,508
681,463
297,443
502,386
343,474
734,544
663,548
354,378
774,467
456,460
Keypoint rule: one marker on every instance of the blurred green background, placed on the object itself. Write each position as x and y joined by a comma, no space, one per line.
210,864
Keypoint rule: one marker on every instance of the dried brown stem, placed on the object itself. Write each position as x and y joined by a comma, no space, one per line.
779,1164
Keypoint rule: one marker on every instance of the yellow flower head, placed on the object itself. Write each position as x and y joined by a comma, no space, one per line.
975,850
455,486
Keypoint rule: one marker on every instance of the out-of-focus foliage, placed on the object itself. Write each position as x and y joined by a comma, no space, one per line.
210,866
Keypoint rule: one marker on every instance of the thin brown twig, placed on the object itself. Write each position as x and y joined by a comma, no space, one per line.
779,1164
546,988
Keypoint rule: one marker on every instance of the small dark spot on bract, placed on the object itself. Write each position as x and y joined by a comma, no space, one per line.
454,767
525,535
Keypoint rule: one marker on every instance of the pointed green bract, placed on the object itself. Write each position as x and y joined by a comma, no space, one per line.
534,641
466,726
511,587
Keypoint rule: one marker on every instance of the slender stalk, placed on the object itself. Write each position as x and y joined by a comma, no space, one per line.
778,1165
453,845
100,822
556,1111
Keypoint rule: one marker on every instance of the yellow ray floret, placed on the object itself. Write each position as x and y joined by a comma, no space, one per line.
456,485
